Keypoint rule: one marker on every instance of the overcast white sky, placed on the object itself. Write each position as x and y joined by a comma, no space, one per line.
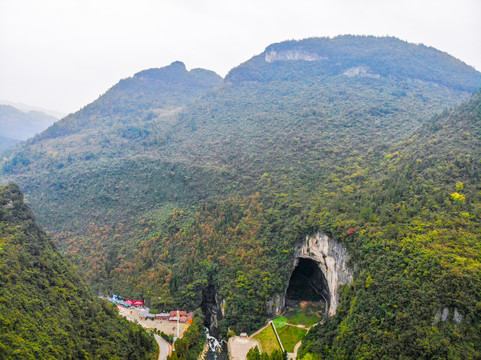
63,54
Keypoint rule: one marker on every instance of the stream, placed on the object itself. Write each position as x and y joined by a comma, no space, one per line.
217,349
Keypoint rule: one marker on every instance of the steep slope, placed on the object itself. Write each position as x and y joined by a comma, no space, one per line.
19,125
217,193
416,216
105,140
46,311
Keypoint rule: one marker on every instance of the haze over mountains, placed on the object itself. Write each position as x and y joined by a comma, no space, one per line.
16,125
27,108
174,181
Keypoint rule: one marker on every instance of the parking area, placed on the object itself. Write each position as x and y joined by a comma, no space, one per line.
168,327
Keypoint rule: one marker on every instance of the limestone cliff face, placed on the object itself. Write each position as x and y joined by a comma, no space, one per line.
332,258
275,305
292,55
360,71
443,315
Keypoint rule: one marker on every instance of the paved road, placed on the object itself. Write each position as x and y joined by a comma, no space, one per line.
163,347
165,326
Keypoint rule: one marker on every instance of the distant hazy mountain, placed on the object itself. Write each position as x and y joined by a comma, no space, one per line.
5,142
26,108
19,125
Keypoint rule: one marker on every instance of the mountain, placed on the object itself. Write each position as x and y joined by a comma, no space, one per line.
46,310
27,108
416,212
132,119
138,99
165,136
203,199
361,56
16,124
6,143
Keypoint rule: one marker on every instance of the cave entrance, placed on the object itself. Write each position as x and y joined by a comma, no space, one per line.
307,283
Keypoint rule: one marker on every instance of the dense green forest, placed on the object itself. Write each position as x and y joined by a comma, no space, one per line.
160,196
190,346
46,311
417,246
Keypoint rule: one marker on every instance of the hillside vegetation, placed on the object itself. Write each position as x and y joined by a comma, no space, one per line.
46,311
417,247
160,199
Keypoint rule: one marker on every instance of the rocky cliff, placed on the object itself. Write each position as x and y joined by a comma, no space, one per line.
332,258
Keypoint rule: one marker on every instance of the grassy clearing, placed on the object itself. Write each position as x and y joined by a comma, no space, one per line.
305,314
280,322
268,340
290,336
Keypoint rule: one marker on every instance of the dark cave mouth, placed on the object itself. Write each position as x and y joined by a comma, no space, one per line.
307,283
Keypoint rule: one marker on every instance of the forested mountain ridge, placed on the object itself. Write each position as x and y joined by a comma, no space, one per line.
46,311
151,148
220,190
139,96
130,120
366,56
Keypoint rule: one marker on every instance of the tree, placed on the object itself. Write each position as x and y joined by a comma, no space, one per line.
254,354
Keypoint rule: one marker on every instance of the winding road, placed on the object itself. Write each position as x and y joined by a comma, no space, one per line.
163,347
132,315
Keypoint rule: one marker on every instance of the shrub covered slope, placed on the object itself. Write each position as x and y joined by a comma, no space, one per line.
46,311
417,215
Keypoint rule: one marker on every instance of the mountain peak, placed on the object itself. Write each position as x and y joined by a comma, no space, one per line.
171,72
378,56
178,64
156,88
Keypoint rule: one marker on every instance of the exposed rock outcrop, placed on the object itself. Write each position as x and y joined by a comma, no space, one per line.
275,305
292,55
360,71
331,257
212,306
443,315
